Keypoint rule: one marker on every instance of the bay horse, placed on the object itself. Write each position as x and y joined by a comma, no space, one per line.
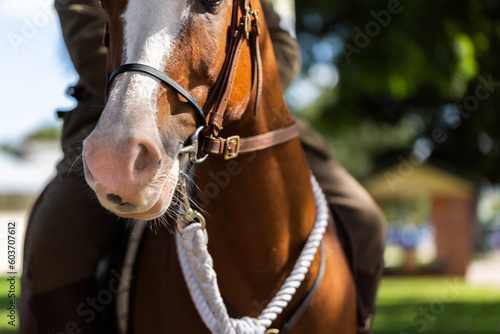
168,57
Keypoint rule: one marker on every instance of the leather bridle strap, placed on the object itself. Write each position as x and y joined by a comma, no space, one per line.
246,28
304,304
232,146
164,79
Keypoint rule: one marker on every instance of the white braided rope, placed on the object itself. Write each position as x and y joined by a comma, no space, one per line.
201,279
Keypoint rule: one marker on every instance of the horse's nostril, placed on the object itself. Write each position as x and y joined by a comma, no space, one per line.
124,207
159,164
127,207
115,199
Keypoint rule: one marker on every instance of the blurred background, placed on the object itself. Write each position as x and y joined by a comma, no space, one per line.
406,92
408,95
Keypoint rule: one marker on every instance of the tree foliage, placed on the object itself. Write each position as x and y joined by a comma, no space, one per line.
418,76
46,133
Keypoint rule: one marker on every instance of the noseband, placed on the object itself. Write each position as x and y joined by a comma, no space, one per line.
163,78
211,116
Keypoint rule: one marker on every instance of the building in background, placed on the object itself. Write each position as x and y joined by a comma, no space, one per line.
431,216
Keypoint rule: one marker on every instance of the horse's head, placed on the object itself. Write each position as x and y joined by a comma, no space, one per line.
131,158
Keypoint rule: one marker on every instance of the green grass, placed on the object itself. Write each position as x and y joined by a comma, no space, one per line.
5,328
436,305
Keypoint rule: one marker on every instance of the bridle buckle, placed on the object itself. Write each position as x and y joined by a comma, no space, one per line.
250,24
228,152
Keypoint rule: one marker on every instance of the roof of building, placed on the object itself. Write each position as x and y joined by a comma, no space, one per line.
406,181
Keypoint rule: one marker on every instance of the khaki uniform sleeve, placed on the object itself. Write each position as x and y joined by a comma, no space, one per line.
82,25
286,48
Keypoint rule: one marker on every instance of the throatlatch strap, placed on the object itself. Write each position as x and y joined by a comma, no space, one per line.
234,145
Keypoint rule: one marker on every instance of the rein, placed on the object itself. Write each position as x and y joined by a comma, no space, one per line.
211,116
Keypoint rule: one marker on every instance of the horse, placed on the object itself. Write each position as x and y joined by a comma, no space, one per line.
256,198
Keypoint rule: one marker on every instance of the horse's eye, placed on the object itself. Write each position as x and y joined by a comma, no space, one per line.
211,3
102,5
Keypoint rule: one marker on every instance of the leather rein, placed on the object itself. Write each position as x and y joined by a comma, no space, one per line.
211,116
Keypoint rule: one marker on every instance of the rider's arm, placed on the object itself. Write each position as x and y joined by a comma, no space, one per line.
82,25
286,48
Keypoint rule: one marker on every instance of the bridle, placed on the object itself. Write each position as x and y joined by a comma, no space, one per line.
210,117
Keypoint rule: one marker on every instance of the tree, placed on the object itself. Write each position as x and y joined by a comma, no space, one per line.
407,75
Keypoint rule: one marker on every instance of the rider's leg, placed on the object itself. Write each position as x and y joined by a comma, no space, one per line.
364,218
68,234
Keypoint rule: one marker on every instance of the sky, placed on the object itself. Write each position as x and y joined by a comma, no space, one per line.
35,69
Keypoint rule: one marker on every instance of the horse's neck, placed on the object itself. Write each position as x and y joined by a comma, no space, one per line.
260,209
267,191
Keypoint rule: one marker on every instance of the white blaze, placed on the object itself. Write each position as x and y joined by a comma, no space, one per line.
150,27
